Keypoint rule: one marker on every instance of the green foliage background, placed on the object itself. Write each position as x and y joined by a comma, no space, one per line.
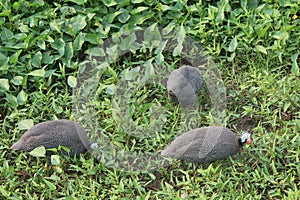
255,45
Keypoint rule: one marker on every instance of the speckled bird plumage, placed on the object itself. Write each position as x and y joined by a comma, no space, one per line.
183,85
204,145
51,134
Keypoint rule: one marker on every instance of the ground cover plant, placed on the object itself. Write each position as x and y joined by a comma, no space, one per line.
45,45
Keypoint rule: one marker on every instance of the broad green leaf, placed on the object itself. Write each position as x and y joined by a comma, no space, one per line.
4,68
41,44
123,16
244,4
25,124
148,72
6,12
38,152
112,50
28,38
37,59
6,34
90,16
159,58
20,46
161,47
55,177
17,80
220,16
78,23
181,35
12,100
168,29
55,160
96,51
23,28
138,10
49,39
132,73
22,97
59,45
20,36
14,58
152,33
109,3
50,185
233,45
110,89
260,8
123,3
149,69
55,25
294,57
137,1
159,51
140,18
5,192
177,50
281,35
79,40
67,10
60,171
37,3
4,86
109,18
3,59
78,2
128,42
72,81
180,39
49,72
69,51
165,7
261,49
48,58
38,72
192,8
92,38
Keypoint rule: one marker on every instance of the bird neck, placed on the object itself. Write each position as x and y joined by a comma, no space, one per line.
241,143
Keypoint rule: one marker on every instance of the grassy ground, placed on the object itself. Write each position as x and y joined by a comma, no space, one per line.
255,47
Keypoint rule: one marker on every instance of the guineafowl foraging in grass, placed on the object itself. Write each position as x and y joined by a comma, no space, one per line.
206,144
184,84
51,134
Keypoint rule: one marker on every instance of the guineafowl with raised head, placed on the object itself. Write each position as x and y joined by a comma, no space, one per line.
183,85
51,134
206,144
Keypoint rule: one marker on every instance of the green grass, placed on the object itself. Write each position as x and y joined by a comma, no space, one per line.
43,46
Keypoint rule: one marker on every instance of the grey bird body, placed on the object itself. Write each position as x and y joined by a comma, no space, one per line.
183,85
205,145
51,134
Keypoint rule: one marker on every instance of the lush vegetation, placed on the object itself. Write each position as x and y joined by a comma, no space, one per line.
45,45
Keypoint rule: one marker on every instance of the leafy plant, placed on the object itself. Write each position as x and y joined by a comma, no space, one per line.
46,46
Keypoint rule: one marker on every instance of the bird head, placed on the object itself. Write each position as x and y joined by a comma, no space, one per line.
245,138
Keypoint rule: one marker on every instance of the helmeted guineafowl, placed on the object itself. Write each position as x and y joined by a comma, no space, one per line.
51,134
206,144
183,85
